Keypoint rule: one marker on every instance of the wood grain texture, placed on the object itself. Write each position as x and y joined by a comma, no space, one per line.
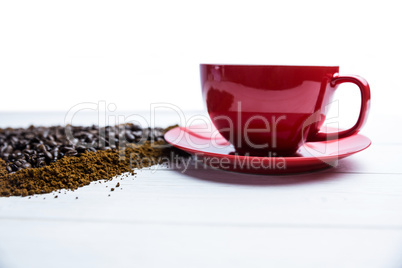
99,244
347,216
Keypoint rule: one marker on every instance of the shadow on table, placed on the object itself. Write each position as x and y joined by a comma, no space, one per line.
228,177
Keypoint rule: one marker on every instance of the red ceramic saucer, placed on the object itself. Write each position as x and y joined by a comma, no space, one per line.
205,142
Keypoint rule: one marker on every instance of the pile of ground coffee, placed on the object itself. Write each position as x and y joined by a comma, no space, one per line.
40,160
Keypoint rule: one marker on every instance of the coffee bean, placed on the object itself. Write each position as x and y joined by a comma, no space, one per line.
48,155
9,149
137,134
26,165
81,148
130,137
71,153
40,163
51,143
41,148
29,135
35,140
14,140
28,151
65,149
9,169
135,127
3,146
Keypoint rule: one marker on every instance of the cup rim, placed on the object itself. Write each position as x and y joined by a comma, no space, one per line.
269,65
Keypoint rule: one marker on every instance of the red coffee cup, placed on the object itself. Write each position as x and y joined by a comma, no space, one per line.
274,109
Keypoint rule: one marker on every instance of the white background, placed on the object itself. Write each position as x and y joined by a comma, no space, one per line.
56,54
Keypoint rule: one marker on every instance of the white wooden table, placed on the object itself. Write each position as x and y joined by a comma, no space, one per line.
348,216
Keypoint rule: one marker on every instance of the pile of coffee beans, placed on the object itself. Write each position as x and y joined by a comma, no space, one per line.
39,160
39,146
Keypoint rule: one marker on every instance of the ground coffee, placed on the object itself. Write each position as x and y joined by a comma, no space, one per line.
40,160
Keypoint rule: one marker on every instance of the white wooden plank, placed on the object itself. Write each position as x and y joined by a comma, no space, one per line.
90,244
217,197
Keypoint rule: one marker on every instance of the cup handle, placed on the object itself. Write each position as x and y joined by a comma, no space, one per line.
364,109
